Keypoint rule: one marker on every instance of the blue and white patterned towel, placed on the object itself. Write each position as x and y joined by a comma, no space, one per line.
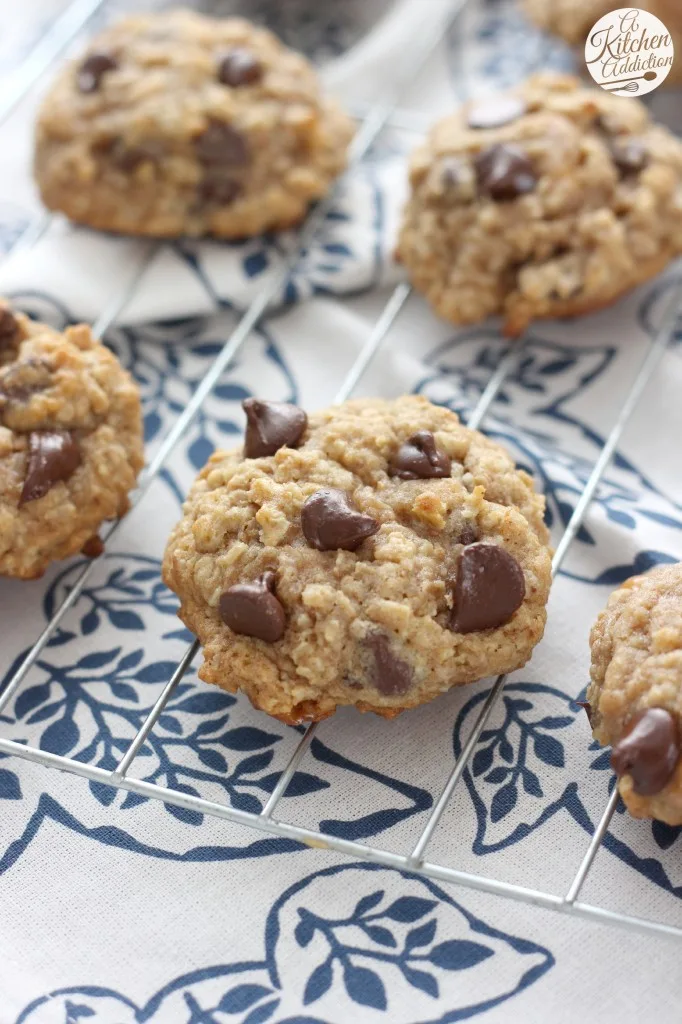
118,910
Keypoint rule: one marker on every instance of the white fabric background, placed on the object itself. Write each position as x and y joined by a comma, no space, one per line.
106,905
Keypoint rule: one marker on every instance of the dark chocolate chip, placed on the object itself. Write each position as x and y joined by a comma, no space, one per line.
467,535
252,609
222,144
9,329
92,69
488,589
505,172
271,426
420,459
587,708
129,158
648,751
495,111
53,455
630,157
329,522
390,675
216,188
239,67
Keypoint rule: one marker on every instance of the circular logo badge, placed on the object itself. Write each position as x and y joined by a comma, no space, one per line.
629,52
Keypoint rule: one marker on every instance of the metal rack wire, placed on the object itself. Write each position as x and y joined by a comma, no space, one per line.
372,123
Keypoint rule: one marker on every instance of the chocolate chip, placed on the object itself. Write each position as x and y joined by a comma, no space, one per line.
648,751
587,708
222,144
467,535
505,172
390,675
271,426
495,111
420,459
630,157
453,172
239,67
9,329
53,455
252,609
329,522
92,69
129,158
488,589
218,189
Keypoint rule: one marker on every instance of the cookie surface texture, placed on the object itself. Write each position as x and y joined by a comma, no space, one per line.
176,124
352,569
70,442
551,201
635,694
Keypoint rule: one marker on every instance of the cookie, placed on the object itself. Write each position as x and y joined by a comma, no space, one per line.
70,442
572,21
373,554
550,201
177,124
635,694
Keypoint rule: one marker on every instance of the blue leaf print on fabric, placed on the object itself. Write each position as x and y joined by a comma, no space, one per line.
322,967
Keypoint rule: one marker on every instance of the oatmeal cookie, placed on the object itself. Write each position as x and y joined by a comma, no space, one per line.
374,554
70,442
635,696
573,19
549,201
177,124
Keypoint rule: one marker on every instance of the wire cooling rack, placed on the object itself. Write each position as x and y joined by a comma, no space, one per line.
384,112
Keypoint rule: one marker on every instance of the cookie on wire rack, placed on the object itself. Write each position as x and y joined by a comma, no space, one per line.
635,694
177,124
374,554
552,200
70,442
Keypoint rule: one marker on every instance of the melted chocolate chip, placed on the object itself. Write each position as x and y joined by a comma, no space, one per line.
93,547
53,455
92,70
219,189
495,111
222,144
505,172
630,157
329,522
271,426
239,67
390,675
9,330
252,609
648,751
488,589
420,459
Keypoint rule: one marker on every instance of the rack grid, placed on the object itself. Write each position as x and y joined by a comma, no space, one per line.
384,112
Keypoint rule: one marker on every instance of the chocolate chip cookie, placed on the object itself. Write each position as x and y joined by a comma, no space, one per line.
550,201
573,19
70,442
373,554
176,124
635,696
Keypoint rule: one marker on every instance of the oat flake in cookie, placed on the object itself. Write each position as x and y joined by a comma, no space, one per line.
382,554
635,696
176,124
70,442
550,201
